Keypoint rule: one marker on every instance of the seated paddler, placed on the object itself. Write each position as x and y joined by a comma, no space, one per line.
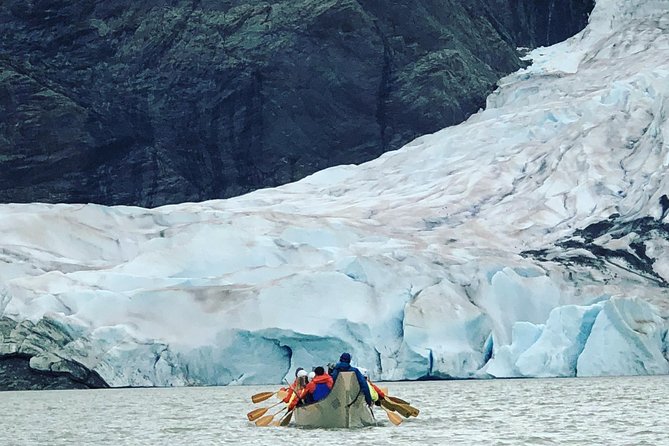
317,389
374,390
298,384
344,365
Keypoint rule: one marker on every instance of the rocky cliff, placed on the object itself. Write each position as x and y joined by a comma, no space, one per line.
148,103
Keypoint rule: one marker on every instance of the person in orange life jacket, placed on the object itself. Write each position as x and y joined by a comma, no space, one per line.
344,365
298,384
374,390
310,377
316,390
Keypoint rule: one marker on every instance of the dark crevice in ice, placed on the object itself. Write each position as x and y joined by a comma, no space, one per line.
289,358
430,363
584,333
488,348
664,202
379,365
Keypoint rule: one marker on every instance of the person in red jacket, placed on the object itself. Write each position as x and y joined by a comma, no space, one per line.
298,384
374,390
316,390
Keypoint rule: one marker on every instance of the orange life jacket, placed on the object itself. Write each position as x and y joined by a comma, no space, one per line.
290,395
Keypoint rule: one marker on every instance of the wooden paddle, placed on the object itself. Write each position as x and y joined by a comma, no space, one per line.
267,419
414,411
262,396
259,412
393,417
281,394
408,408
394,399
399,408
286,418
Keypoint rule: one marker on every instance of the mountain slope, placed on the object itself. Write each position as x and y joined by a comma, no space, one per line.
125,102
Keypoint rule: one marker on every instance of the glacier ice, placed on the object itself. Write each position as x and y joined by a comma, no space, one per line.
530,240
627,337
446,331
558,348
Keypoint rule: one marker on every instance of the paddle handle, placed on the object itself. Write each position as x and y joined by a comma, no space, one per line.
275,404
294,389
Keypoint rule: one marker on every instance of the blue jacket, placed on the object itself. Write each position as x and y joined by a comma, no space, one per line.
321,391
346,367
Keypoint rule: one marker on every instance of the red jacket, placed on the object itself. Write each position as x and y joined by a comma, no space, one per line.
311,387
289,390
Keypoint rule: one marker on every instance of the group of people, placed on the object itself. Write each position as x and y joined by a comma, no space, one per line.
316,385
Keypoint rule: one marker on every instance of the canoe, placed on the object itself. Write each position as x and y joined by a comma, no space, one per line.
343,407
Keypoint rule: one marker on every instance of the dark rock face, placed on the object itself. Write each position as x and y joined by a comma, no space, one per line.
148,103
28,361
633,258
16,374
535,23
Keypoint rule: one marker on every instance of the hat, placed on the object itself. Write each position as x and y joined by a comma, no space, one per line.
311,375
298,371
345,357
301,373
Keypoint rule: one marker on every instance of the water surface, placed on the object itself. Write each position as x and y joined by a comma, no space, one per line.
592,411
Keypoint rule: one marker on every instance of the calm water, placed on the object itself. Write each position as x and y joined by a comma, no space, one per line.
602,411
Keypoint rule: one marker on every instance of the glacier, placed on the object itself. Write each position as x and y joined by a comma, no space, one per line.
530,241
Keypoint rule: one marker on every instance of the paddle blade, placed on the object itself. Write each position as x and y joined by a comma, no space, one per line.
281,394
262,396
387,404
264,421
402,409
286,419
413,411
394,399
257,413
393,417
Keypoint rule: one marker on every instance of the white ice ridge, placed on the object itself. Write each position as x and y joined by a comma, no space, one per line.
531,240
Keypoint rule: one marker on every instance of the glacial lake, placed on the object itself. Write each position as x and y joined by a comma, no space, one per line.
584,411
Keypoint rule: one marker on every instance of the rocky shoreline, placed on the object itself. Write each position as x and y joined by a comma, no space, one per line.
16,374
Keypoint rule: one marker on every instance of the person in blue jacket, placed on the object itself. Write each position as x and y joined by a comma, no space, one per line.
344,365
317,389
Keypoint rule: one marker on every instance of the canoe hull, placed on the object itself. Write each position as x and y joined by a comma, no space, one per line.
344,407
